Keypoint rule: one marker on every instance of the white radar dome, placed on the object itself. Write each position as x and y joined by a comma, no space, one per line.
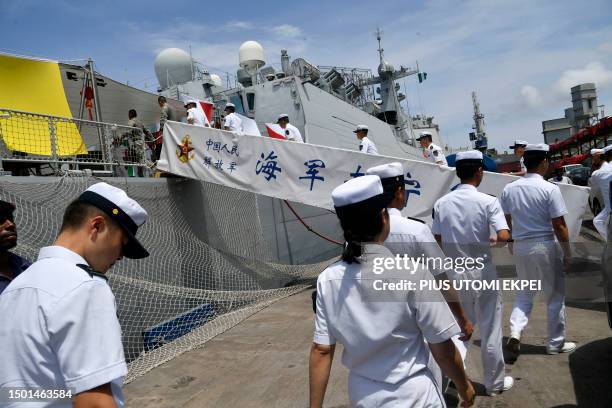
251,56
173,66
216,79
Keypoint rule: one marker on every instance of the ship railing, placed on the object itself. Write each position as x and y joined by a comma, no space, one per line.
31,140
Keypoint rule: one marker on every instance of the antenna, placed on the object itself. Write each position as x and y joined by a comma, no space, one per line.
479,125
379,34
191,63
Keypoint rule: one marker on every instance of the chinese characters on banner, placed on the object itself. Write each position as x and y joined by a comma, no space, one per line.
307,173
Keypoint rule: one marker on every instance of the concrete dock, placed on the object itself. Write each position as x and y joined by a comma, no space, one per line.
263,362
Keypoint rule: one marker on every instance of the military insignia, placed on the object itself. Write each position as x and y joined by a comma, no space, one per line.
184,151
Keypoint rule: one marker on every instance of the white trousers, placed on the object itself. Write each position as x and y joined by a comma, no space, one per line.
485,309
417,391
601,222
543,261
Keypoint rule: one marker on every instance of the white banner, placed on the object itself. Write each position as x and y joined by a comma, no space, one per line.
249,126
308,173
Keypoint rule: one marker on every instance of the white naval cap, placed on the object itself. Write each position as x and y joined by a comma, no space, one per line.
539,147
391,176
597,151
191,101
126,212
229,105
365,190
468,155
425,133
518,143
388,170
282,116
360,127
607,148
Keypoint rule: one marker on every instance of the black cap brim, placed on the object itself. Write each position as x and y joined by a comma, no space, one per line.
134,249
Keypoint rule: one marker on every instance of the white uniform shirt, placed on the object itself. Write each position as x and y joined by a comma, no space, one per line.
464,216
412,238
367,146
383,340
294,134
532,202
436,154
59,329
199,119
233,122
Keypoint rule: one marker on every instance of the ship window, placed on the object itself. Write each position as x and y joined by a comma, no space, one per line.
71,76
250,96
236,100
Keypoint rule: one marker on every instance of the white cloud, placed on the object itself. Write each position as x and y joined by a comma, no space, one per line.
593,72
239,25
531,95
287,30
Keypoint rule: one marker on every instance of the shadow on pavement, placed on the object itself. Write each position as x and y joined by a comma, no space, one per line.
591,370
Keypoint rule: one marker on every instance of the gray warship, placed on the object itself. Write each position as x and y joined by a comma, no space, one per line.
219,254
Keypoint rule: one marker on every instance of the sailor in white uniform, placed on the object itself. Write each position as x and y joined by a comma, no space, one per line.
597,159
366,145
559,178
462,222
432,151
59,329
291,132
413,238
602,179
519,149
232,122
196,116
384,332
535,213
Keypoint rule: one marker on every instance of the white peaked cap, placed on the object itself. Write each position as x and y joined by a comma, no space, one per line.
229,105
283,116
388,170
539,147
360,127
519,143
357,190
123,210
468,155
425,133
596,151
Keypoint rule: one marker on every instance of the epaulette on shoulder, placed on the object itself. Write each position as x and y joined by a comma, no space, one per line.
416,219
91,272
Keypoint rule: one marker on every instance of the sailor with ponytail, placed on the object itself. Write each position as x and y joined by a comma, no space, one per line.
387,342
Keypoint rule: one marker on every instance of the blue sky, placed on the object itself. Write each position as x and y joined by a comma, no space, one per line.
520,56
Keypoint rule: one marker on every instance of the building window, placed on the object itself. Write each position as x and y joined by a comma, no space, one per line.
590,102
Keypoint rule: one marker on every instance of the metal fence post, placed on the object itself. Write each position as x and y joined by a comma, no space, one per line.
54,163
